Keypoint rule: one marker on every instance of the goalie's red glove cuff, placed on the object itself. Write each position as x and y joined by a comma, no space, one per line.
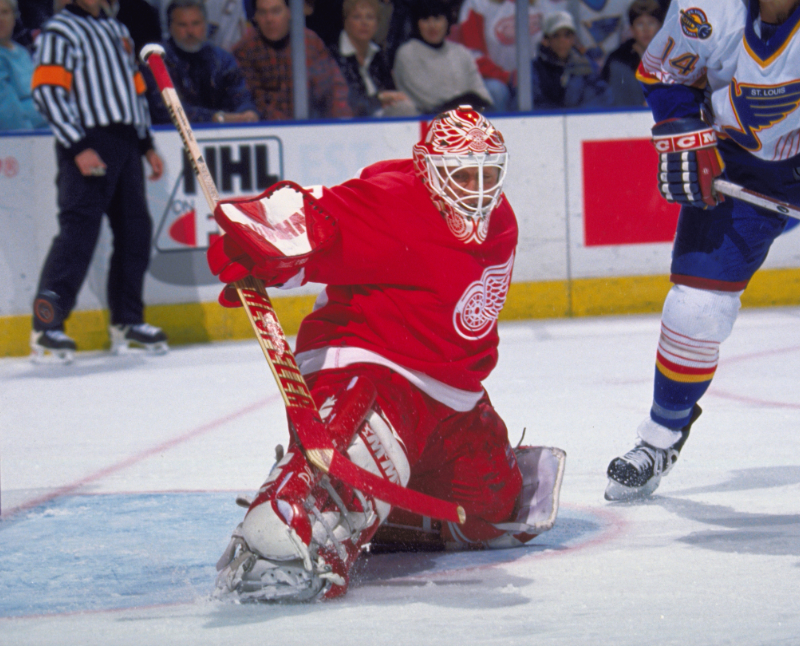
229,297
230,264
224,251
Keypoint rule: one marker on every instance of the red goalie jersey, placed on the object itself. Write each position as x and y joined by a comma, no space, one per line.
408,287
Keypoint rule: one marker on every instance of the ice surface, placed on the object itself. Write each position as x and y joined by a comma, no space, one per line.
119,476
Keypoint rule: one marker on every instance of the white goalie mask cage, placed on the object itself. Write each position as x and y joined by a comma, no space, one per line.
456,140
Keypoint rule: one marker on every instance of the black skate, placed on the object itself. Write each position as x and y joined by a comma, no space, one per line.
143,335
638,473
55,342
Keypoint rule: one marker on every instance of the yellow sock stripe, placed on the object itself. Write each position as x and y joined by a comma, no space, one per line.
683,377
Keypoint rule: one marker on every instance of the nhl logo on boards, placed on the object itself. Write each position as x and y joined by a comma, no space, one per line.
239,166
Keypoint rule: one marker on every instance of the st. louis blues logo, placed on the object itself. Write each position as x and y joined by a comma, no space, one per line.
758,107
694,23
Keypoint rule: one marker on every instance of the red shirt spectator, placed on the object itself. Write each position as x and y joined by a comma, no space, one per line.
265,58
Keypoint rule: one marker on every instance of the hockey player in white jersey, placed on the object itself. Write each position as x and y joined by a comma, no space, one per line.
722,78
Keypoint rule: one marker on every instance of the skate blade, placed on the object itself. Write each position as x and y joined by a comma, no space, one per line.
616,492
128,347
268,582
46,356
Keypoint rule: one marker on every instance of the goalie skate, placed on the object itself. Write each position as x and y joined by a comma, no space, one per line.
53,342
245,576
638,473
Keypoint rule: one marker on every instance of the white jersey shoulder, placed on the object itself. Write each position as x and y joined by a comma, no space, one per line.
696,41
754,86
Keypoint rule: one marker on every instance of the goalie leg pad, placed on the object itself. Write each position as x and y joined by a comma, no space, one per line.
292,549
542,471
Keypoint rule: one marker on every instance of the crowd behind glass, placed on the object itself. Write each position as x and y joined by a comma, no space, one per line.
364,58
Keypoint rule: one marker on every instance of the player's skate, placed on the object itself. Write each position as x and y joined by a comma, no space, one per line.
143,335
303,532
54,342
638,473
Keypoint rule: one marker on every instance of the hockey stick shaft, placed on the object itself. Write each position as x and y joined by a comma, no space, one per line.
756,199
300,406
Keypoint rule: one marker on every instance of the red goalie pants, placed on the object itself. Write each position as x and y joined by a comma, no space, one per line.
461,457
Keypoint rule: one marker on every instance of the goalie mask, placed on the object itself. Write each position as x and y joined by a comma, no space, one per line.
462,162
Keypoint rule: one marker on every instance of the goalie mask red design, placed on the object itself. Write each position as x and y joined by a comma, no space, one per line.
462,161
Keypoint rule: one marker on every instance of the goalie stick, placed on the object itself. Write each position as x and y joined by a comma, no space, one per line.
300,407
756,199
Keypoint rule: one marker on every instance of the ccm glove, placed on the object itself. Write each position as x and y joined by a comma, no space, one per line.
688,162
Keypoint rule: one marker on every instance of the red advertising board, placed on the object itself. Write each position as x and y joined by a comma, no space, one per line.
621,202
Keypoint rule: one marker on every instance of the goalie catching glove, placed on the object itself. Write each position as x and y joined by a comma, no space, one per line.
270,237
688,161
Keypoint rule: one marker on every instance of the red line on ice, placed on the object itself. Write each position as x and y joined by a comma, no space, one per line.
134,459
752,400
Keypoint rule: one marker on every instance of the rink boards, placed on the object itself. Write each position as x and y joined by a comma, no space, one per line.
594,233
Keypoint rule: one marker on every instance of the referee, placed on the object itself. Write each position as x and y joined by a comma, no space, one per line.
87,84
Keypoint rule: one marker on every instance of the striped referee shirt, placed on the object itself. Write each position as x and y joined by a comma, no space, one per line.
86,77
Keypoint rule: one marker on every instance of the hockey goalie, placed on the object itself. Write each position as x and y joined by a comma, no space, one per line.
416,257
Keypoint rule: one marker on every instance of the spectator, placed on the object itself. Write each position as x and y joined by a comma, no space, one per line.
561,77
31,15
17,110
265,58
401,21
488,29
227,23
142,20
619,71
207,78
435,73
101,130
371,88
601,27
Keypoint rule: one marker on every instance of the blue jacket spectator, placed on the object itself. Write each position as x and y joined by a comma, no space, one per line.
561,77
207,78
619,71
17,110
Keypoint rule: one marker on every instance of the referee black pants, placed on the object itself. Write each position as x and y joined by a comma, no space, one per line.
82,201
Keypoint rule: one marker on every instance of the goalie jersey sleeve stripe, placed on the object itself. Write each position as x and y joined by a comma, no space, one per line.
86,76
